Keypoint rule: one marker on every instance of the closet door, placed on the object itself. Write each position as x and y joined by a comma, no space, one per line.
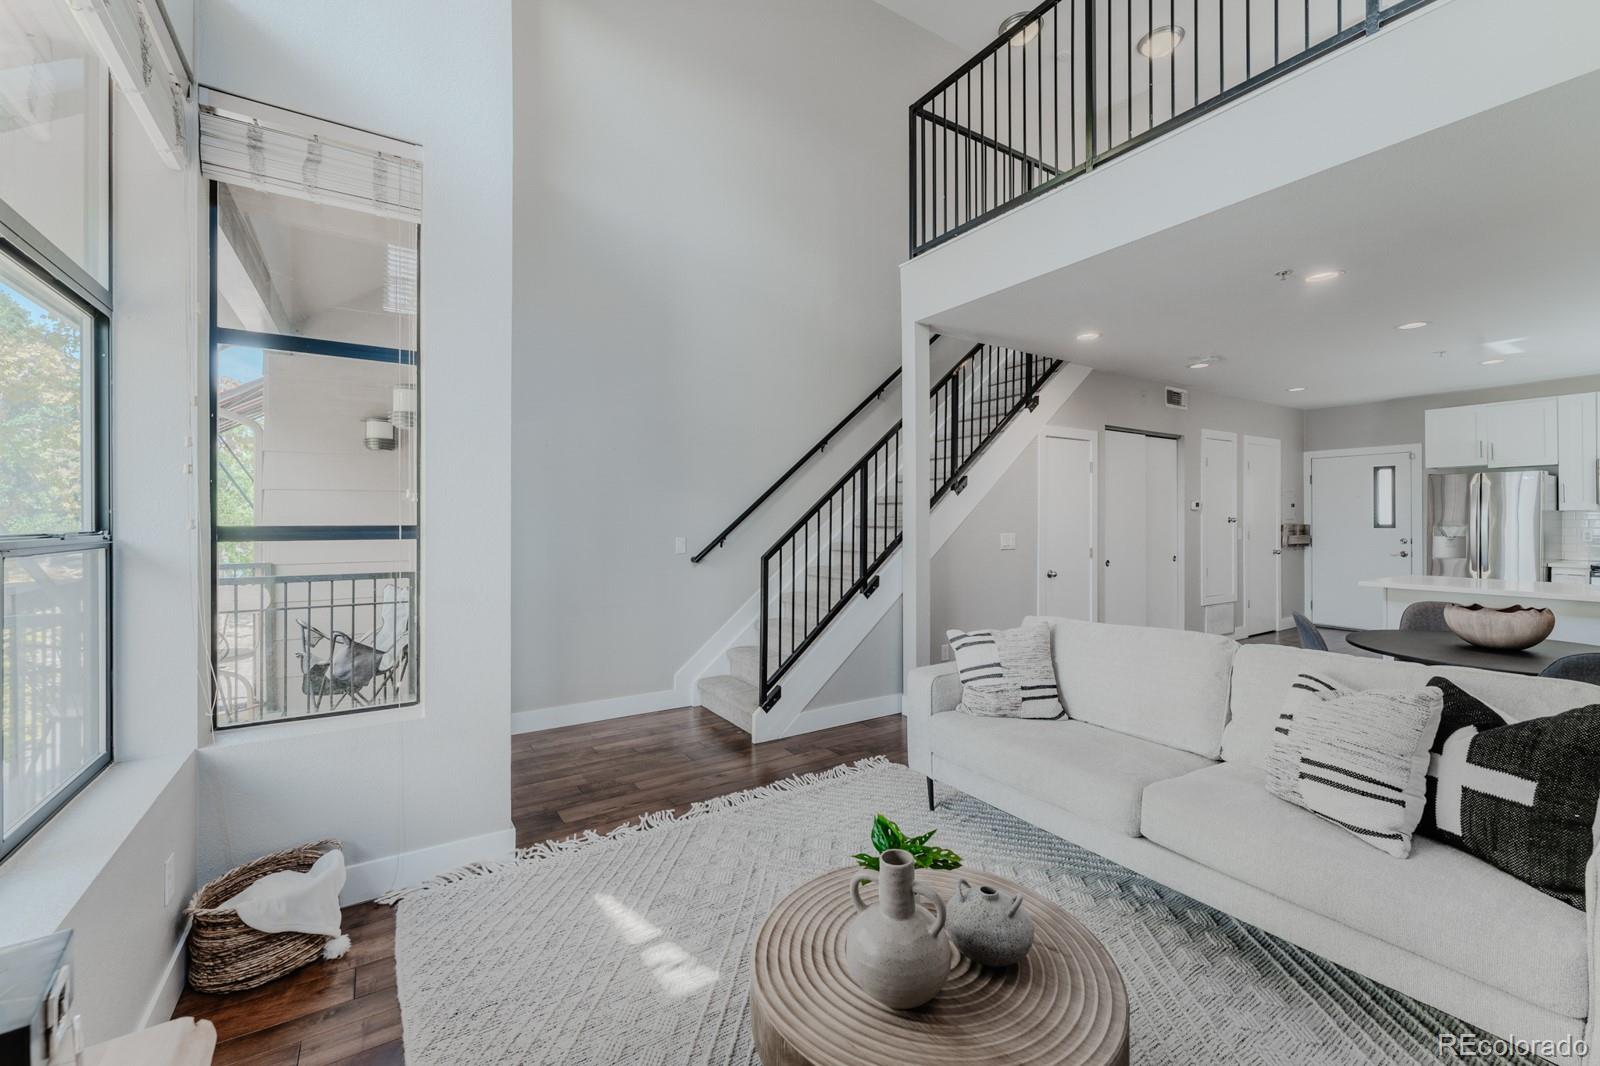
1163,603
1126,546
1219,518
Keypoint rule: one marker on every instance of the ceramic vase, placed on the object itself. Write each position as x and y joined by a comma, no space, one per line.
988,926
1503,628
896,951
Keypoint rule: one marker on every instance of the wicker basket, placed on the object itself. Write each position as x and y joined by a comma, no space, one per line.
225,955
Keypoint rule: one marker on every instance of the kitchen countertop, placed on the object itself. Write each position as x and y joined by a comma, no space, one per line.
1478,586
1572,564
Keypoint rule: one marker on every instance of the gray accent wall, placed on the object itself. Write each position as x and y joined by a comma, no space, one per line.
710,213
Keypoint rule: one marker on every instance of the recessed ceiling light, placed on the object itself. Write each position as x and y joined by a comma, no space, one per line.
1323,275
1411,325
1089,335
1160,42
1022,36
1493,362
1200,364
1295,388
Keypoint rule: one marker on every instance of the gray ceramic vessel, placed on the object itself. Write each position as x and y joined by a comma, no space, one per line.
989,928
893,949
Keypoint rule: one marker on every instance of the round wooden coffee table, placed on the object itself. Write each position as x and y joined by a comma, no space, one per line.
1064,1004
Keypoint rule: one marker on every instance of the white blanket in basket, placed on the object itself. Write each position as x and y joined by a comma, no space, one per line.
293,902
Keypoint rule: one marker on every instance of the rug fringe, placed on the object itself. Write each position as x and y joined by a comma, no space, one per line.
550,849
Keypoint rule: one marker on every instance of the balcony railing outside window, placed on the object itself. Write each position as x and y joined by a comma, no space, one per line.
1076,82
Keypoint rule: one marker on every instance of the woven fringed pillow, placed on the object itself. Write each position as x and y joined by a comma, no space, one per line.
1007,673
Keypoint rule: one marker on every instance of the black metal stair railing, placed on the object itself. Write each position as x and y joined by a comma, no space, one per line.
834,551
1075,82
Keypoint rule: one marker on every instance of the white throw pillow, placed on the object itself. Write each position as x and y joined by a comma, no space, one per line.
1006,673
1357,759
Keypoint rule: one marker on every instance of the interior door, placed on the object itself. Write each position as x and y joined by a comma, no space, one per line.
1360,529
1126,550
1163,602
1262,554
1066,528
1219,518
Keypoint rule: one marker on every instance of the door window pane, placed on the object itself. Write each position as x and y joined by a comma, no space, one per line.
1383,497
46,377
54,130
291,267
308,628
52,676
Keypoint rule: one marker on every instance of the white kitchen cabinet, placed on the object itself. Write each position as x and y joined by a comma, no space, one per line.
1520,433
1578,447
1451,438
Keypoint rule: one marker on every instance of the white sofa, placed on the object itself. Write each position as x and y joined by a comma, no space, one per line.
1159,766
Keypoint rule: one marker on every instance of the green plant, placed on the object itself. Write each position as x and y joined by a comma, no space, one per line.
886,836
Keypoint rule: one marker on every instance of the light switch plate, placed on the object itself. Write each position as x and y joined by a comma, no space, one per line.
945,654
1008,542
680,546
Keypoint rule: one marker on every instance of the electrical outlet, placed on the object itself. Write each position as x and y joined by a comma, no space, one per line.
680,546
1008,542
169,881
945,653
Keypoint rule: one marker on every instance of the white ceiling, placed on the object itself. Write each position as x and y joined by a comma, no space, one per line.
967,24
1487,229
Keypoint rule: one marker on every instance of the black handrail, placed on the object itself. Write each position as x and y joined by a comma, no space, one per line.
972,404
815,450
994,133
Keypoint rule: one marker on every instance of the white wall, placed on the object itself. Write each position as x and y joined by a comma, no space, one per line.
710,210
394,782
975,584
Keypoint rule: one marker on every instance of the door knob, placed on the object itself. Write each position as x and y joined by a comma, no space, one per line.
1277,551
1049,573
1401,554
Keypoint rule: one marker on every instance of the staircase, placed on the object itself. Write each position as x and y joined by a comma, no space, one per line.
835,551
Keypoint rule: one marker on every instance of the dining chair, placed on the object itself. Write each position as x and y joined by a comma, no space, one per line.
1426,615
1584,666
1310,638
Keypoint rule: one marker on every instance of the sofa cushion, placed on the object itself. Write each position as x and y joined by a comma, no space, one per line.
1006,673
1440,903
1165,685
1083,769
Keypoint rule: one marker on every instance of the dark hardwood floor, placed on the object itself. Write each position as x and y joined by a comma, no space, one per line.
563,781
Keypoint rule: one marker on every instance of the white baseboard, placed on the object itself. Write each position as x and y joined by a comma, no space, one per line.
595,710
164,998
837,714
1286,622
368,880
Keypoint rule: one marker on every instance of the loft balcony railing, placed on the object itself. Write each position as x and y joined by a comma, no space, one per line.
1077,82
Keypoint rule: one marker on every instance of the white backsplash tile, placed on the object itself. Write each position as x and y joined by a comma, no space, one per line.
1572,535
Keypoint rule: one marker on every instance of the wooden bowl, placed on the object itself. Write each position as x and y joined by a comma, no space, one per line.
1500,628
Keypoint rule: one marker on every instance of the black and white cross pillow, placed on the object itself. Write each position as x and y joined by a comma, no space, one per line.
1006,673
1521,796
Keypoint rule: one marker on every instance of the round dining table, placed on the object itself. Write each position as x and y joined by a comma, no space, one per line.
1446,649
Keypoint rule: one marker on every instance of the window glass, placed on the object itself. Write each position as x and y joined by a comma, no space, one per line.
309,628
291,267
54,131
46,379
1383,497
314,440
53,721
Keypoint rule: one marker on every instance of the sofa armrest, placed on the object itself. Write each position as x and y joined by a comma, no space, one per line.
930,690
1591,900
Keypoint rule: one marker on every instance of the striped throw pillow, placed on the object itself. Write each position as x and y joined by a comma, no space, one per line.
1006,673
1358,759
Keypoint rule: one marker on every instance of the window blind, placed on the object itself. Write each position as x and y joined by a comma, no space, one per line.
136,44
276,151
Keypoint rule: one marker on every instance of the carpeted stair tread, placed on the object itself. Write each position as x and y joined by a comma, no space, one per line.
730,698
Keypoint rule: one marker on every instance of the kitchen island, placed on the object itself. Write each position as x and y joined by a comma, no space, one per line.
1577,607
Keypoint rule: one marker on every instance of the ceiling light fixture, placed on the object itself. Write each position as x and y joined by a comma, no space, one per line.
1295,388
1323,275
1160,42
1089,335
1200,364
1493,362
1411,325
1023,36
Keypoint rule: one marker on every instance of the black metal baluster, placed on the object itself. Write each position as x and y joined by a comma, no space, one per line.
1150,67
1247,49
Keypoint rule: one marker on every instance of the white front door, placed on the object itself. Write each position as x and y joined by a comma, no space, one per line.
1126,546
1066,527
1219,518
1163,600
1263,479
1361,528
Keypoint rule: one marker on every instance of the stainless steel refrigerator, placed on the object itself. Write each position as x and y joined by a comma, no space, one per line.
1489,524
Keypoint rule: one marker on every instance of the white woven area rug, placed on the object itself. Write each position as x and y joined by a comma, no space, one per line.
635,947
